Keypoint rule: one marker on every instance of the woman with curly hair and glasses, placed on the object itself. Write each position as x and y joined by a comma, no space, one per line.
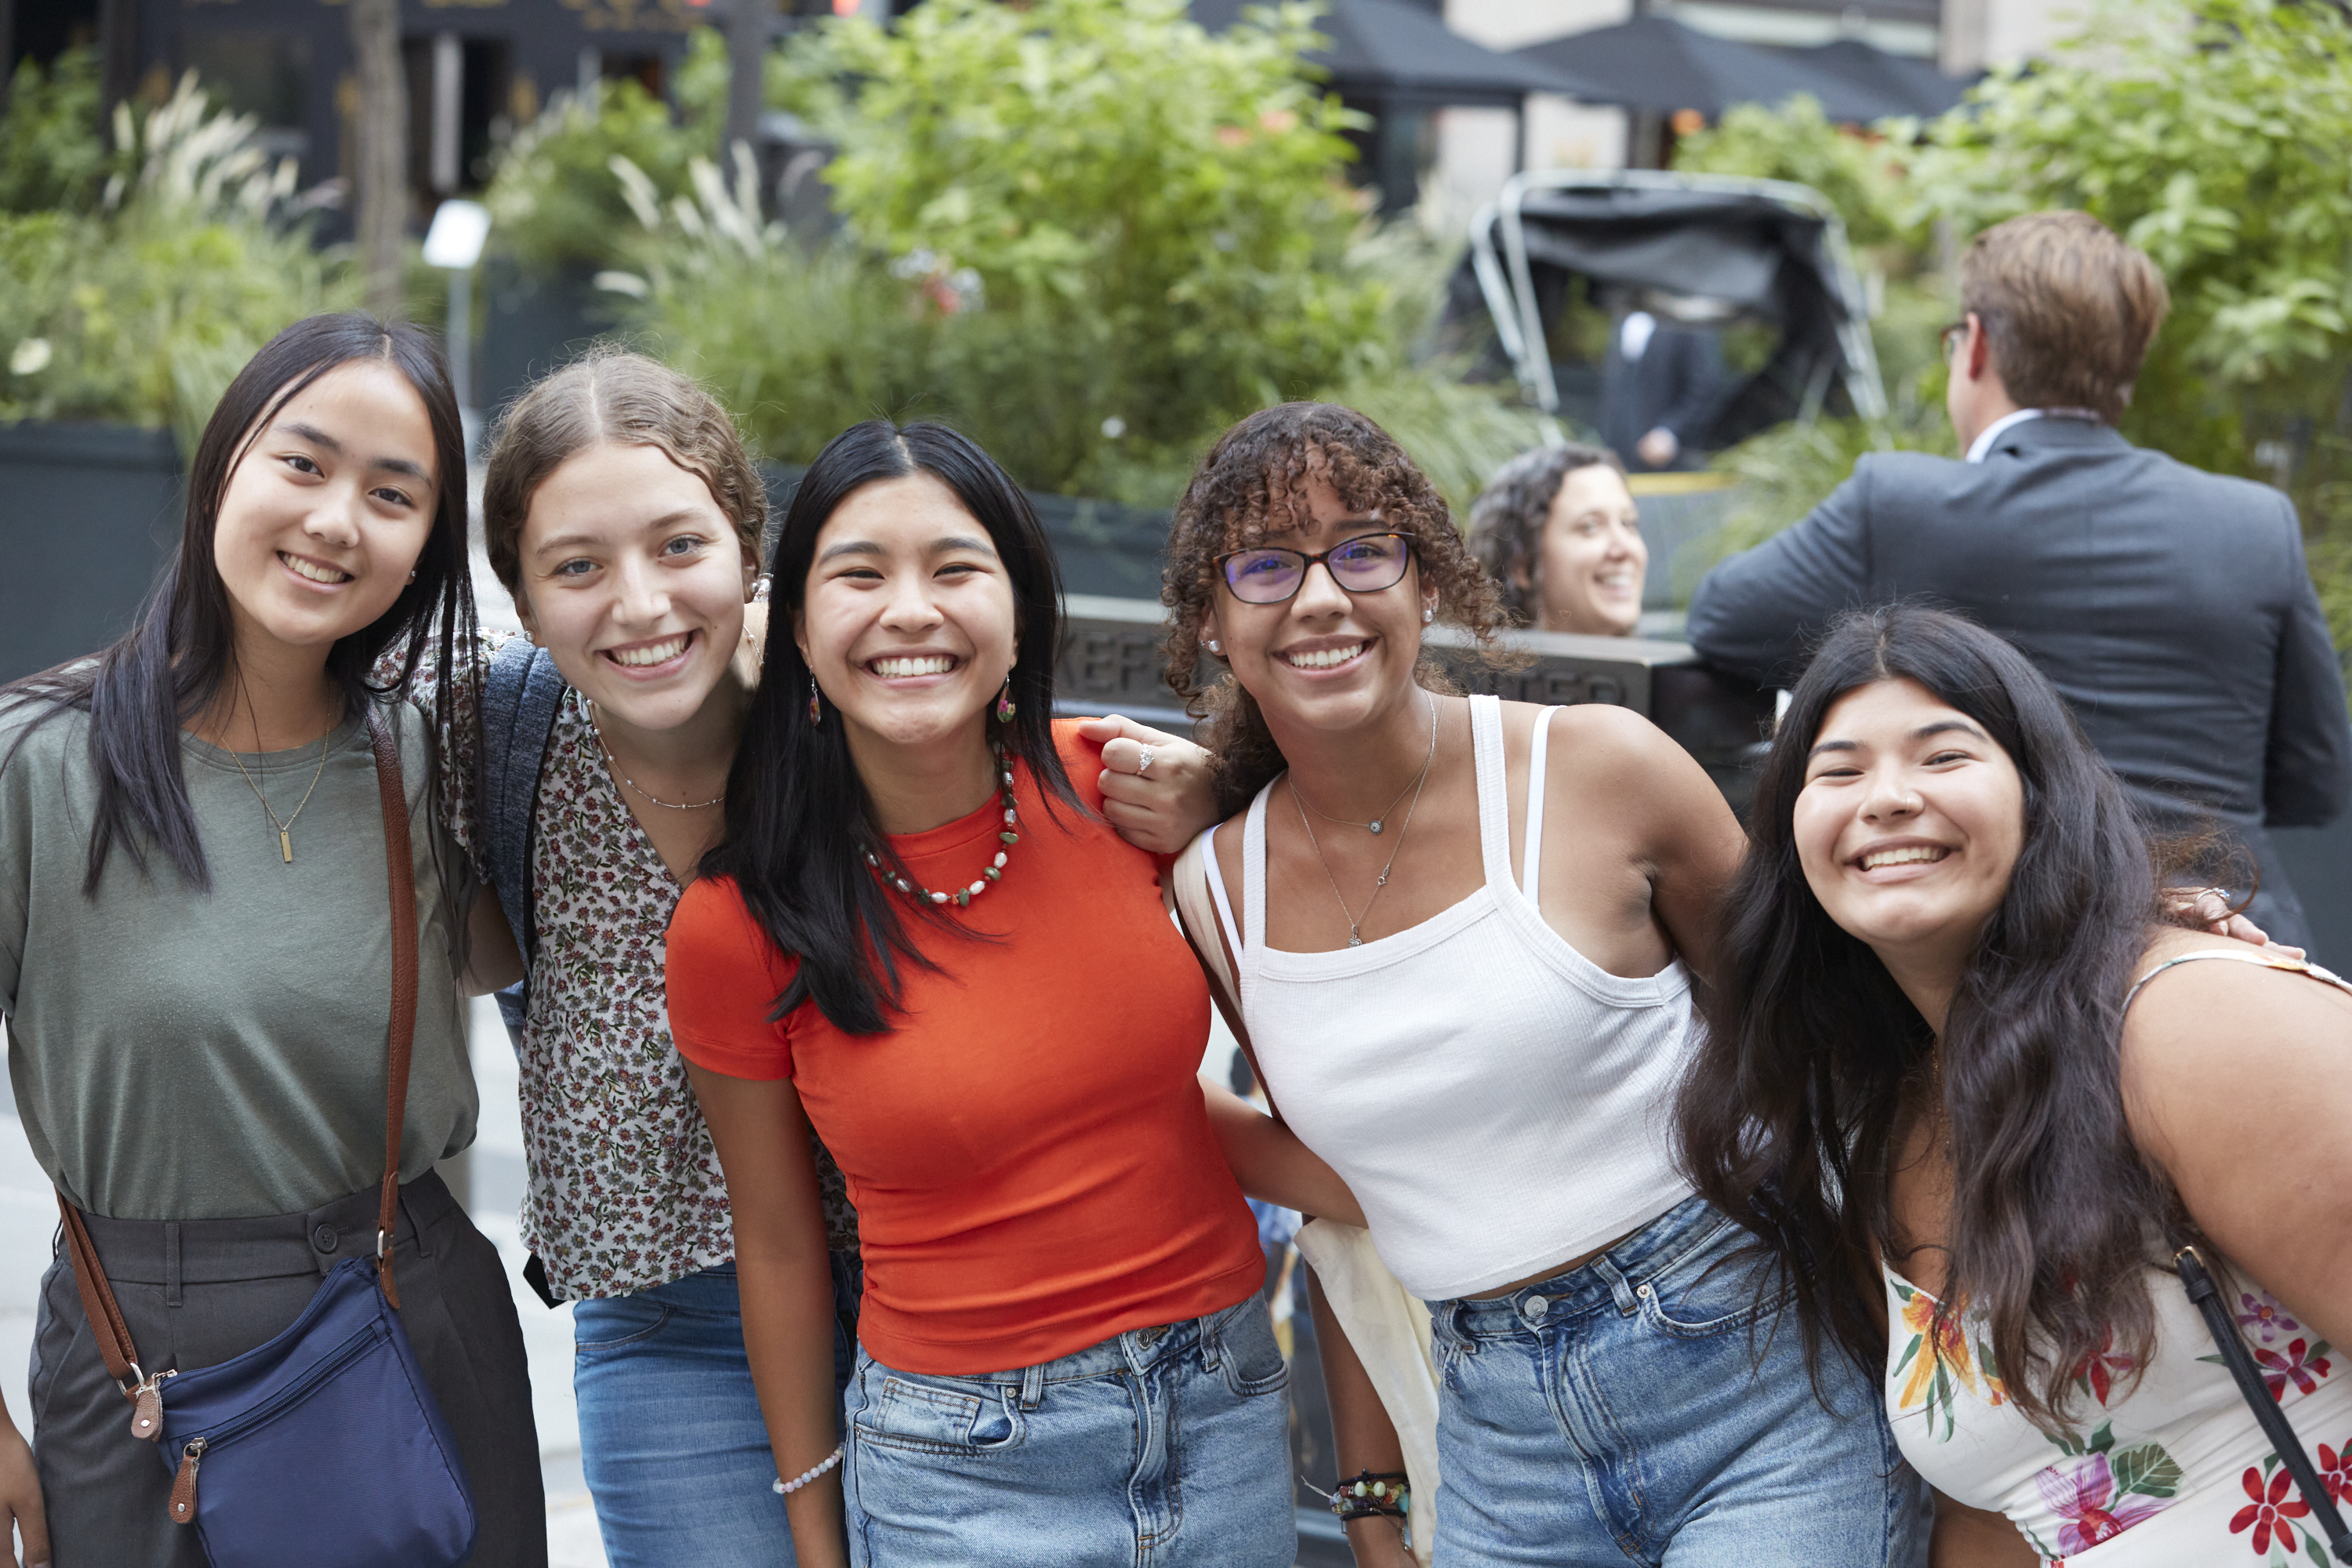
1464,933
1558,531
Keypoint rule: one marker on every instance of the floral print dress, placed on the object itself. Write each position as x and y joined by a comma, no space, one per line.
624,1190
2169,1472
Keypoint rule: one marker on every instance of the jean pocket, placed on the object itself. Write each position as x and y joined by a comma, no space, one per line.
615,1324
939,1418
1720,1287
1247,1350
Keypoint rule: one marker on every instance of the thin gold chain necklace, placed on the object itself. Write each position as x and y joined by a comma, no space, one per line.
718,799
1356,921
285,828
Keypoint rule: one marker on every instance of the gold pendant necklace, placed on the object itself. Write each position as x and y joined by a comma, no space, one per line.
1355,922
285,828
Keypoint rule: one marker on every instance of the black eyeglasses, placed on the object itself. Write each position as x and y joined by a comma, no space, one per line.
1268,574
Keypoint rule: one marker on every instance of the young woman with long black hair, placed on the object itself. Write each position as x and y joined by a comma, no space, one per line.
1969,1085
196,953
918,935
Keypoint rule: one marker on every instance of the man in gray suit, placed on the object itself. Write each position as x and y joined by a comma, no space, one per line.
2170,606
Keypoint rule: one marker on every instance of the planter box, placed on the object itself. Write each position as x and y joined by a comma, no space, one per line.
89,514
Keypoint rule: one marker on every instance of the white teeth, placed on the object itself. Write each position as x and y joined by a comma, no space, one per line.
1323,658
651,653
313,571
1874,860
926,664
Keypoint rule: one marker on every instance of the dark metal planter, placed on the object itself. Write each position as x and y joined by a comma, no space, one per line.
89,514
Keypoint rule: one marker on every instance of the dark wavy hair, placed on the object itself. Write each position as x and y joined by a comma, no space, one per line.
1815,1059
797,831
1252,486
175,661
1508,519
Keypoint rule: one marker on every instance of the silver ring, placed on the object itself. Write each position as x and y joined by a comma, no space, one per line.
1143,765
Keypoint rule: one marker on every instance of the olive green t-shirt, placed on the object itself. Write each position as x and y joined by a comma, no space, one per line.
183,1054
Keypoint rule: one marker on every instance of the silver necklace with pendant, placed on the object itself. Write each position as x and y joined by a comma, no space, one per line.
1356,921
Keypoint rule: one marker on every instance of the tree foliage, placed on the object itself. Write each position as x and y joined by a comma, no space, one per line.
51,156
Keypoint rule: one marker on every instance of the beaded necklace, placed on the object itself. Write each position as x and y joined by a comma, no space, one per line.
962,897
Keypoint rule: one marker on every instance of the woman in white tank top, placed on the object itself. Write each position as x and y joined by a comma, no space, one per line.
1460,929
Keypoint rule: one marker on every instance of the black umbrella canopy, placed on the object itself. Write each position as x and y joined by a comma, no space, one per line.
1396,51
1657,63
1906,86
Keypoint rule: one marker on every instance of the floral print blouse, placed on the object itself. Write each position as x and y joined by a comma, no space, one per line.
2167,1471
624,1190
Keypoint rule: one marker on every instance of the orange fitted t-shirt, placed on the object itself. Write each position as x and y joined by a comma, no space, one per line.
1033,1167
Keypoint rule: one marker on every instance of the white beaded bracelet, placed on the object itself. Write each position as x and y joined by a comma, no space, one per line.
787,1487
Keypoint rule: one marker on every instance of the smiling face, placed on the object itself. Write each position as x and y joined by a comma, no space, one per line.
1909,824
634,580
907,621
1325,659
324,516
1590,560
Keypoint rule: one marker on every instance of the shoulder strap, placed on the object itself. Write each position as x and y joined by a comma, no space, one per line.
107,1327
1531,853
2244,955
1185,889
519,701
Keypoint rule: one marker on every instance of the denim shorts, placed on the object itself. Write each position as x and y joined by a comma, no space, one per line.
671,1441
1646,1408
1160,1447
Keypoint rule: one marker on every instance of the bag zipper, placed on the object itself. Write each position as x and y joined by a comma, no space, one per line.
191,1453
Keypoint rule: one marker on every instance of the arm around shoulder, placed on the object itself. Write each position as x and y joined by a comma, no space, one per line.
1754,612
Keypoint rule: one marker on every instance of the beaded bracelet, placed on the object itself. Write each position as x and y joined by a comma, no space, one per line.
788,1487
1372,1495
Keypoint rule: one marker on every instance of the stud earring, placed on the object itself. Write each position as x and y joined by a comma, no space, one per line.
1216,647
1005,709
412,576
1428,615
816,710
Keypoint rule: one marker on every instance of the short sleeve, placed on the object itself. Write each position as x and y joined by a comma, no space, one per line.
722,977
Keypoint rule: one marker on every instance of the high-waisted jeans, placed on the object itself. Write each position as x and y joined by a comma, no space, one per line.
671,1440
1647,1408
1160,1447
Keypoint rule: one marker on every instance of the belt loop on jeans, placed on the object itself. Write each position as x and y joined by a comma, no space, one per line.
171,1263
1621,1290
1033,1387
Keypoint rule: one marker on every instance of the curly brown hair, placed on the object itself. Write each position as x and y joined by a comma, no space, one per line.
1252,485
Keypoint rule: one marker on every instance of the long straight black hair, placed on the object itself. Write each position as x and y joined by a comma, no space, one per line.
1815,1059
180,655
797,829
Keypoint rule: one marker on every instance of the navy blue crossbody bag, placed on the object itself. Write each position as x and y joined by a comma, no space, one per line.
323,1446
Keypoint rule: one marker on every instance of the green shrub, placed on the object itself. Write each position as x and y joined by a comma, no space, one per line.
1860,172
142,314
51,155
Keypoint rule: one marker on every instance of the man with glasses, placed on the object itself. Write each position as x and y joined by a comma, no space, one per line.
2170,606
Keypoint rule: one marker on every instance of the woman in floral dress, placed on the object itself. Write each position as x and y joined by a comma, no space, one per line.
1970,1083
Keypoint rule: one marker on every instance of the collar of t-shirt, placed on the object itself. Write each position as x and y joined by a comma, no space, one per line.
1993,431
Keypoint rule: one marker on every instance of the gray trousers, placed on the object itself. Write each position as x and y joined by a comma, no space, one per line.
199,1292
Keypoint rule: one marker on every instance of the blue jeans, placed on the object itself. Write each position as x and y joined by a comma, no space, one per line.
671,1440
1645,1408
1162,1447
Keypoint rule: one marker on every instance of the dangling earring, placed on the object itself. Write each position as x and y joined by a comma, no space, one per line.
1005,709
816,711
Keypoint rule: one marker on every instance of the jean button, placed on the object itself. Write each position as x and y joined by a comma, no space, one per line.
324,1239
1536,1307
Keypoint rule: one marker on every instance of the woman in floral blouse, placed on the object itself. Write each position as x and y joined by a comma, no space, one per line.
623,513
1972,1084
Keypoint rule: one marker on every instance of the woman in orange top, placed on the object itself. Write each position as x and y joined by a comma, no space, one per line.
919,936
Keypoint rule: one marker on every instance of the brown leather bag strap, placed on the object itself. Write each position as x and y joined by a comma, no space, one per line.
400,872
98,1304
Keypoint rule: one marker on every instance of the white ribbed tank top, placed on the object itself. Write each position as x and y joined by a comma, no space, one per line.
1496,1101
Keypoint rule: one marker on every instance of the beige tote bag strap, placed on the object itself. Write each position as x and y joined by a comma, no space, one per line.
1185,890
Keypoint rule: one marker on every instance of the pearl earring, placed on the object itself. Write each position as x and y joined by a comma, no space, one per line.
1428,615
1215,647
412,576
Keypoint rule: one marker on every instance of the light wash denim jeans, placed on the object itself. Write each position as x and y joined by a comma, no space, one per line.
1162,1447
1645,1409
676,1455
